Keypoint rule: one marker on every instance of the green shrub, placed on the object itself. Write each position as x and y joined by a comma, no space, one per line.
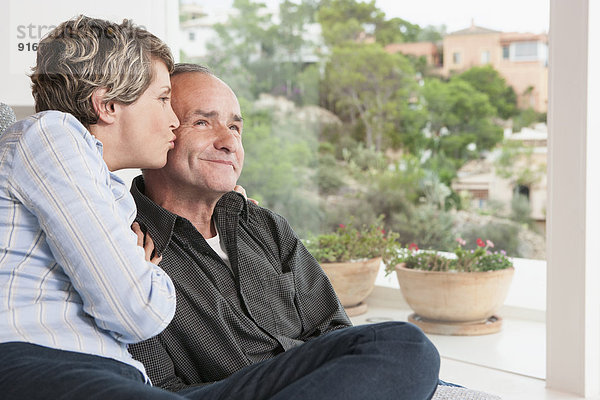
330,177
426,225
520,209
479,260
349,243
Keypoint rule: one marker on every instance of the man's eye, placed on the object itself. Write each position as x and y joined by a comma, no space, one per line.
201,123
235,128
165,99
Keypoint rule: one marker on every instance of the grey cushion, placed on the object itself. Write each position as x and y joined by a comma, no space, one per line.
458,393
7,117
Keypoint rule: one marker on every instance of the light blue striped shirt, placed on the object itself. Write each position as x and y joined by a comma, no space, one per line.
71,274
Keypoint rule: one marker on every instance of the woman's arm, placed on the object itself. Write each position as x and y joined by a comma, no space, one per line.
59,174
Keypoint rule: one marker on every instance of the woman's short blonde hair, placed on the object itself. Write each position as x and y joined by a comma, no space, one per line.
84,54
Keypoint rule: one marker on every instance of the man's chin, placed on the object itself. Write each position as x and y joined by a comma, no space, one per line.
223,190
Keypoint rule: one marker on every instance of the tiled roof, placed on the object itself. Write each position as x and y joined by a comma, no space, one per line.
473,30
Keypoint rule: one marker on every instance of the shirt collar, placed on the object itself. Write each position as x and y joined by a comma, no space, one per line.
233,203
157,220
160,222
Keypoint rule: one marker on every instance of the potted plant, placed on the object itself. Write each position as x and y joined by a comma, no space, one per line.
351,258
455,294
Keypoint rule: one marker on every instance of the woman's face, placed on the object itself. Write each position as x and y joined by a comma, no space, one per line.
148,123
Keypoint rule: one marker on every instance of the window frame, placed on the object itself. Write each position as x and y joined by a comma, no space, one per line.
573,267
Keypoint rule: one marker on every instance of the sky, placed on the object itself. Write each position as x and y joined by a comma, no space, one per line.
503,15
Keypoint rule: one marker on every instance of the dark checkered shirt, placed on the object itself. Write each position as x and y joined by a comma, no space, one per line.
274,297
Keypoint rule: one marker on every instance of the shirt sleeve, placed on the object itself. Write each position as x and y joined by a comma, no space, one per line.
318,305
158,364
60,176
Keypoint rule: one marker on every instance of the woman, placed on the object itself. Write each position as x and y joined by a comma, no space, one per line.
75,287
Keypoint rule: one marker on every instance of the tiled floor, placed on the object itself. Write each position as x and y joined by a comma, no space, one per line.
509,364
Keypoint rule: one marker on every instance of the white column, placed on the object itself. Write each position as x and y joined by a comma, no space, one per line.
573,242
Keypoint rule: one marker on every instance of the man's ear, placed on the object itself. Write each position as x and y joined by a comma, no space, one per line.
105,110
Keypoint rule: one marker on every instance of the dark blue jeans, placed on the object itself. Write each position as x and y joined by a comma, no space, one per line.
392,360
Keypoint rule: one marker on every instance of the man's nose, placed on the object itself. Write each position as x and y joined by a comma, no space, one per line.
226,139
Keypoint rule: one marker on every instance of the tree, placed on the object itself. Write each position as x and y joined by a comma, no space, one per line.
280,168
290,43
459,115
344,21
373,85
254,54
432,33
388,191
396,30
487,80
526,117
519,164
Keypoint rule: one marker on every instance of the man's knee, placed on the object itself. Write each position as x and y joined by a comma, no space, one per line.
403,340
395,331
395,341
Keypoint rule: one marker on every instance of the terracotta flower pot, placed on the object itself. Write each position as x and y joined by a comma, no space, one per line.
353,281
454,297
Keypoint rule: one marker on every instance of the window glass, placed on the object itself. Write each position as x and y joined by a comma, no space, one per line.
345,121
456,58
485,57
525,50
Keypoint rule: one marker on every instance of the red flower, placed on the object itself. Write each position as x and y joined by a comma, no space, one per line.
480,242
342,226
413,247
383,231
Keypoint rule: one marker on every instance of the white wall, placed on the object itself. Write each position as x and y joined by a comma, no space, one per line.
573,301
22,22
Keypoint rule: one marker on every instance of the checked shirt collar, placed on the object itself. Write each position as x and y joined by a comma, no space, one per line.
161,225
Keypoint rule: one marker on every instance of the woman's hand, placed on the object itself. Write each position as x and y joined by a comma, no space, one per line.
241,190
145,241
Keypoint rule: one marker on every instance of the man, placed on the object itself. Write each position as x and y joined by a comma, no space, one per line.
250,296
